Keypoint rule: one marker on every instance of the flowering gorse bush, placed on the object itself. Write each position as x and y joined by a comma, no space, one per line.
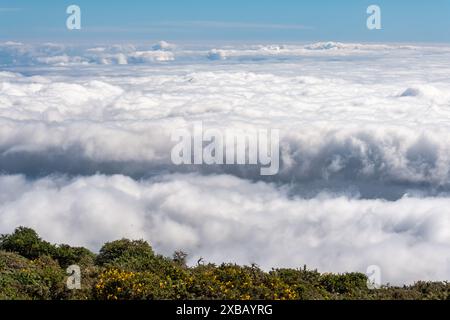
31,268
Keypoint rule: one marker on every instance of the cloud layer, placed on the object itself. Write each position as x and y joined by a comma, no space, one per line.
224,218
354,121
53,54
365,156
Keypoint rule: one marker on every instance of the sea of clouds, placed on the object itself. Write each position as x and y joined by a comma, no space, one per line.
85,144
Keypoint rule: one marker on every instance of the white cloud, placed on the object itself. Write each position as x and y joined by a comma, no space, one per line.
223,218
366,125
14,53
163,45
383,137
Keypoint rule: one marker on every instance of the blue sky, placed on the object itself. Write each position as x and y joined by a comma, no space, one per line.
230,20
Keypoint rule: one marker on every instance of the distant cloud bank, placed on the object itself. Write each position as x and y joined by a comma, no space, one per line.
365,155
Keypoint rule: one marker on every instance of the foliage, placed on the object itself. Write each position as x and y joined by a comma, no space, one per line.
27,243
123,249
114,284
31,268
41,278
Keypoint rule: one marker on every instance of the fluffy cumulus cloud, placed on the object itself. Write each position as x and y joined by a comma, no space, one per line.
224,218
19,54
85,143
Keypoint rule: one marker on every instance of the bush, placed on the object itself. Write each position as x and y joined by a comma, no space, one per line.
306,283
124,250
67,255
114,284
230,281
21,278
31,268
348,284
180,258
27,243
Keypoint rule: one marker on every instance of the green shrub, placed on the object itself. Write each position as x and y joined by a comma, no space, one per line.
348,284
67,255
230,281
306,283
31,268
21,278
123,250
27,243
114,284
